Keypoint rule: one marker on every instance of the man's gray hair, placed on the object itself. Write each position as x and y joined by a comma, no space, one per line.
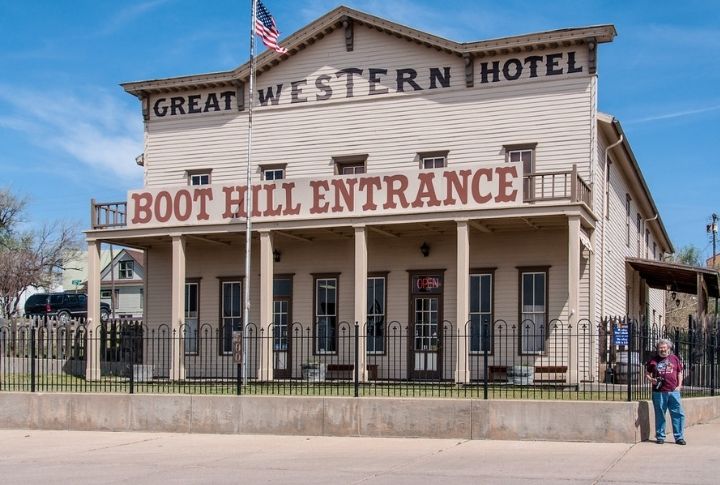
665,341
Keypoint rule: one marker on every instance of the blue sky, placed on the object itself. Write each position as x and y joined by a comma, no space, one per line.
69,133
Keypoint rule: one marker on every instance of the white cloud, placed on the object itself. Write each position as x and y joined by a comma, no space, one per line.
126,15
94,128
675,114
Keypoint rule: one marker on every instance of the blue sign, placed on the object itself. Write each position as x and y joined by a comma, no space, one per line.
620,334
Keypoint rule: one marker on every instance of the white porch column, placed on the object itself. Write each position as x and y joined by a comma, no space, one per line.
462,314
92,353
361,274
573,294
266,305
177,308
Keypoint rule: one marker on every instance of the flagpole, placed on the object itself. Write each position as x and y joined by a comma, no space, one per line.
248,198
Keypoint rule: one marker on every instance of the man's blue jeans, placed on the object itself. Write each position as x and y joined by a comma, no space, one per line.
664,402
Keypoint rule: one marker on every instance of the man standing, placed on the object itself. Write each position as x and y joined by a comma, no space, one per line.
664,370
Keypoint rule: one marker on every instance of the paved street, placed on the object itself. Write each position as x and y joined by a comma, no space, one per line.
139,458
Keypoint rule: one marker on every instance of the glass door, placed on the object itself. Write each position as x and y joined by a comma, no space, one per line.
282,322
426,326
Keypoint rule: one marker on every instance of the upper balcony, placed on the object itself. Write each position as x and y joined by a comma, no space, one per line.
560,187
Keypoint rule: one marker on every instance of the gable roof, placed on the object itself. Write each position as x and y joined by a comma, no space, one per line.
342,16
135,255
613,124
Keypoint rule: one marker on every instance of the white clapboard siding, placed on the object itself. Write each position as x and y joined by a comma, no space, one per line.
473,124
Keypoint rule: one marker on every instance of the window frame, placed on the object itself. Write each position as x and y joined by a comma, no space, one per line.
522,270
222,281
422,157
638,222
325,276
482,272
264,169
289,300
340,163
528,181
188,282
126,269
384,276
199,172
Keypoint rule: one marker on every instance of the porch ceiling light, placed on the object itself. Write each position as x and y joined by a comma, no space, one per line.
276,255
425,249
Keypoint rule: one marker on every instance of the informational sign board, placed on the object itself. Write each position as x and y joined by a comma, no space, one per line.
620,334
76,282
237,347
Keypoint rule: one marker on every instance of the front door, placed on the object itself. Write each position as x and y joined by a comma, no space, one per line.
425,359
282,321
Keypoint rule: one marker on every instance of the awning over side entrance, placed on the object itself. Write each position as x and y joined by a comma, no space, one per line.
677,277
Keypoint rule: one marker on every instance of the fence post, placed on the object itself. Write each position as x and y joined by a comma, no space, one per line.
486,345
132,338
32,359
357,359
713,349
631,348
238,380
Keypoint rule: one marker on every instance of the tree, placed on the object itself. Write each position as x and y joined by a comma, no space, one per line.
30,258
689,255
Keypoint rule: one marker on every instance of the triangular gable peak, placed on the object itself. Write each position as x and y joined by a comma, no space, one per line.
491,61
125,255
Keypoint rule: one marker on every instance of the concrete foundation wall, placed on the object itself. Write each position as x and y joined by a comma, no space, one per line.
618,422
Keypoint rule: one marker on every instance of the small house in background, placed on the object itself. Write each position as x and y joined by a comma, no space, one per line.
123,284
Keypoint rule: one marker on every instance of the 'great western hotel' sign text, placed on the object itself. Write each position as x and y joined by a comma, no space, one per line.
354,81
477,187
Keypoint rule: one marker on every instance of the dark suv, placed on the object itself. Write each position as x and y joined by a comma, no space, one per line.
62,306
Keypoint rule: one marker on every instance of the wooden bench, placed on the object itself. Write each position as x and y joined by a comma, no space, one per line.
347,371
550,374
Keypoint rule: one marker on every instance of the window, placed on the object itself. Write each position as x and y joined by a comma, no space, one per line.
125,271
376,299
142,297
430,160
481,311
192,317
282,298
639,233
198,177
647,242
533,310
105,294
350,165
655,251
273,172
326,314
627,219
524,154
231,312
116,299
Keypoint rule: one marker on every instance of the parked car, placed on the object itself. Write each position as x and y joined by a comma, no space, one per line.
62,306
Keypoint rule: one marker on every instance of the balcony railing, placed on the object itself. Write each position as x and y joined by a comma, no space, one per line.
566,185
552,186
104,215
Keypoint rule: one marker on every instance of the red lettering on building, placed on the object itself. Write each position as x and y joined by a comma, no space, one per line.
368,186
395,192
234,206
203,195
142,203
270,211
163,206
477,184
426,191
256,200
319,196
455,185
344,187
182,205
506,183
289,209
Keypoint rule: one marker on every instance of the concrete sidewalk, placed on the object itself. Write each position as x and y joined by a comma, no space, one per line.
30,456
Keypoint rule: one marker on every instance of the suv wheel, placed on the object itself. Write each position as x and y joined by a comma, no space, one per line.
104,315
63,317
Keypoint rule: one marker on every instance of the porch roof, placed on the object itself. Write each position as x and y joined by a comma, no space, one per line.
679,277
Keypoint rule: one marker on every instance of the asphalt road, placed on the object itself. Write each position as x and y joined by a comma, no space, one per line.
31,456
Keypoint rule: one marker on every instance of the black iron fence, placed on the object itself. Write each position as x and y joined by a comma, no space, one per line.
499,360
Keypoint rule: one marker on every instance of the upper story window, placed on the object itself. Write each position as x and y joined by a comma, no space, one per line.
273,172
350,165
524,154
627,219
199,177
126,269
429,160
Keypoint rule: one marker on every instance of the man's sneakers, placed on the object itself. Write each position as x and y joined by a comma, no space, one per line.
659,441
680,442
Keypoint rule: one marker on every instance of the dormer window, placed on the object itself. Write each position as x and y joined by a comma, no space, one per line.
430,160
198,177
350,165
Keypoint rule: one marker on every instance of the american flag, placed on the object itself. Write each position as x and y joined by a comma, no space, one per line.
266,29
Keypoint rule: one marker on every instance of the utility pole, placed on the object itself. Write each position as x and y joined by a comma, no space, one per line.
712,229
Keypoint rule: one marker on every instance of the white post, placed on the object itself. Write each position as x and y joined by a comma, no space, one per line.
267,357
92,353
361,274
573,294
177,305
462,370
